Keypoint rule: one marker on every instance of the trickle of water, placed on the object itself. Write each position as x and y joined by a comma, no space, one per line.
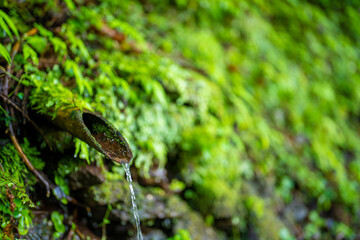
133,201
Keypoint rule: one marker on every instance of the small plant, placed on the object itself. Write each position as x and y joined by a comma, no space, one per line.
181,234
59,226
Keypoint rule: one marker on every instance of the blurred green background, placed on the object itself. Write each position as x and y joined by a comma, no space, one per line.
248,111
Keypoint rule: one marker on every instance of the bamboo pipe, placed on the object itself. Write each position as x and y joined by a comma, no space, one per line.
96,131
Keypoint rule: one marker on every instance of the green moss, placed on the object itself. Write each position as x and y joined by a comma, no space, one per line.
221,92
109,192
101,128
74,114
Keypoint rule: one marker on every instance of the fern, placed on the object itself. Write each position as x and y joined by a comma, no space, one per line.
6,24
4,53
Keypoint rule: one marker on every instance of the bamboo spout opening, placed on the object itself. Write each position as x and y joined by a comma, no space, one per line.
110,140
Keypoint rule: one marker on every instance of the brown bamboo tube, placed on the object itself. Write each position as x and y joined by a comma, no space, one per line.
96,131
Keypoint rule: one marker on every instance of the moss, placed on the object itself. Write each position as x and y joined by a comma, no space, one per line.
74,115
101,128
108,192
221,93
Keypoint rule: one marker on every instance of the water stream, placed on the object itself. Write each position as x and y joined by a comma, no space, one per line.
133,201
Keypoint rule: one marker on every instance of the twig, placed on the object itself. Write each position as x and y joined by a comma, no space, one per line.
7,100
24,105
79,233
16,90
22,111
27,162
70,234
31,32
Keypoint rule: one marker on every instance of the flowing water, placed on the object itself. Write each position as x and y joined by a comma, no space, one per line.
133,201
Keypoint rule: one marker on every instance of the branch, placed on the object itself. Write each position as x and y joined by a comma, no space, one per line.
27,162
7,100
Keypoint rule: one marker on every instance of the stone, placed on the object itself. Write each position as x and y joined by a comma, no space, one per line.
154,204
85,177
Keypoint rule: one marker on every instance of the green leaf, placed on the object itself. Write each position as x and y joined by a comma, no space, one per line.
23,226
43,31
82,82
57,219
37,42
10,23
21,95
70,4
29,52
61,182
177,186
59,45
5,53
4,27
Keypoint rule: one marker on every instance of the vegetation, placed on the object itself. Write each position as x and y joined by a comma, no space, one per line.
243,117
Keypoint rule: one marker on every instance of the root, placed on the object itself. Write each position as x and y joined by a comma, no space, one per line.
7,100
27,162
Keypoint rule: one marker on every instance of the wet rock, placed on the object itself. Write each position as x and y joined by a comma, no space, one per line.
42,228
108,192
161,206
157,177
123,215
154,205
185,218
174,213
85,177
195,225
151,205
154,234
